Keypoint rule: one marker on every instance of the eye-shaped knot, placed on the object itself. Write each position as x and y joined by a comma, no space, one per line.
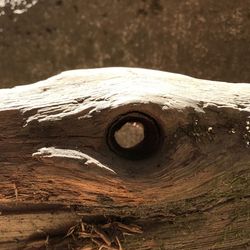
134,136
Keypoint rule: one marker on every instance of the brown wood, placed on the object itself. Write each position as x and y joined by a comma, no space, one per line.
56,167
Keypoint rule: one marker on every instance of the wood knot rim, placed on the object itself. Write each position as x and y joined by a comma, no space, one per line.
151,143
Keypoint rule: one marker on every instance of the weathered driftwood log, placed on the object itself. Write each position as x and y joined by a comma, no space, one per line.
62,171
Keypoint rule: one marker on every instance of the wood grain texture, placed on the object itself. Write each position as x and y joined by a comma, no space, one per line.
56,167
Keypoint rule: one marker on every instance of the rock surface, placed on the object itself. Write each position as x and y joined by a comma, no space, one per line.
205,39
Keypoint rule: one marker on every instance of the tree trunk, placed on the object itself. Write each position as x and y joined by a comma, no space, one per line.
66,182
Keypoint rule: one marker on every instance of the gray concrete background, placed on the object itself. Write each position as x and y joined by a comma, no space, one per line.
207,39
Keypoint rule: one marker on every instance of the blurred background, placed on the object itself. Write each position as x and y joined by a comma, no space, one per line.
202,38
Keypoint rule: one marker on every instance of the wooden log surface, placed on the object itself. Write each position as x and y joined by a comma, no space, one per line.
58,167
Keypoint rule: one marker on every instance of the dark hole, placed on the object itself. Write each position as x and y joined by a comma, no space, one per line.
134,136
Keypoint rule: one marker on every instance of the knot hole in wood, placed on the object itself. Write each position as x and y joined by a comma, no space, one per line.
135,136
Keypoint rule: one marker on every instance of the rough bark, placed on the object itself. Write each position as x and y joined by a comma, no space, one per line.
57,169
